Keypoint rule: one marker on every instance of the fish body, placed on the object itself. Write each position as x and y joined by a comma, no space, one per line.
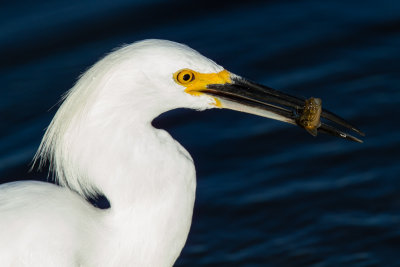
310,117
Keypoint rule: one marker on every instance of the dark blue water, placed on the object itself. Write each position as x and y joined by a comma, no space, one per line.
269,194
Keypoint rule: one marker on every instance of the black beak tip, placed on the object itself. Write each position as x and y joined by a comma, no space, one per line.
286,106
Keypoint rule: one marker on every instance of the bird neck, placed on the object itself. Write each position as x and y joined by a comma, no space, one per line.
138,164
149,180
128,161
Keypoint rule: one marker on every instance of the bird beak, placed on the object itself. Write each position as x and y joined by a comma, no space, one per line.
246,96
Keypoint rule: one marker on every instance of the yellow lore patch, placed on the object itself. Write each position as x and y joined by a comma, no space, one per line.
196,82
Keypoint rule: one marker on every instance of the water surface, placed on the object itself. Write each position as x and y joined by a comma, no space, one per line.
269,194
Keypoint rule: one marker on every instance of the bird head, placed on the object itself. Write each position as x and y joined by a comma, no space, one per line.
176,76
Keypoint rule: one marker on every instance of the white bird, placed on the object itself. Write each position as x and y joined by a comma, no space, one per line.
101,140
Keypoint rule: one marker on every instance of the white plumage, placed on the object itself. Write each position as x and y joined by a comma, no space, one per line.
102,140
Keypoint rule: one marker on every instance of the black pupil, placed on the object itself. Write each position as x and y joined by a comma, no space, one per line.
186,77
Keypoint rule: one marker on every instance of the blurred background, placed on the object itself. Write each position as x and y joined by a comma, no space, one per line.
269,194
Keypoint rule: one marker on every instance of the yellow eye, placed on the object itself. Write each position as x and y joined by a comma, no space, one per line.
185,76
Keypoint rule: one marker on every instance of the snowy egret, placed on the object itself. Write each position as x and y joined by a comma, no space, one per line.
101,141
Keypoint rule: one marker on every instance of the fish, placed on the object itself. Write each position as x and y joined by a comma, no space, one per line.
310,116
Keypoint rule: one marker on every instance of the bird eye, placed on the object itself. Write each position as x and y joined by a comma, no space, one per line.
185,76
